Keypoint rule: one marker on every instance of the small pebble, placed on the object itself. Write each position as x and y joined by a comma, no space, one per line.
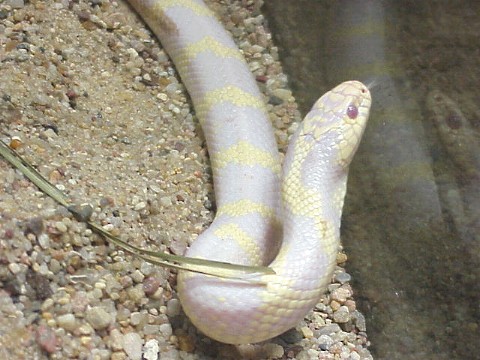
325,341
14,268
67,321
55,266
335,305
60,226
351,305
86,340
40,284
98,318
173,307
341,295
166,201
140,206
100,285
116,340
137,276
329,329
138,318
275,100
132,345
341,258
359,320
151,329
166,330
186,343
47,304
119,356
34,226
85,329
283,94
342,315
146,268
136,293
44,241
354,356
273,351
150,350
151,285
342,277
15,143
307,332
46,338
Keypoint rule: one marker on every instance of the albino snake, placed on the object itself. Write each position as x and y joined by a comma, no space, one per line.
246,168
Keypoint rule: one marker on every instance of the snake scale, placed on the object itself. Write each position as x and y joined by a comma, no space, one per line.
297,232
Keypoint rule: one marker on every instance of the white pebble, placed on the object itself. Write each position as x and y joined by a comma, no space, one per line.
44,241
162,97
137,276
166,329
325,342
132,345
67,321
140,206
14,268
150,350
108,227
132,53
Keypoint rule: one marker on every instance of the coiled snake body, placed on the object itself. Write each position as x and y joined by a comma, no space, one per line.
247,229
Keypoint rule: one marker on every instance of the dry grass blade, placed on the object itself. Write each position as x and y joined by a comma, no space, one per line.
214,268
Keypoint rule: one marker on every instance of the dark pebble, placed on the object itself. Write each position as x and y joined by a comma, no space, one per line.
52,127
292,336
9,234
275,100
81,212
83,16
34,226
151,285
24,46
40,284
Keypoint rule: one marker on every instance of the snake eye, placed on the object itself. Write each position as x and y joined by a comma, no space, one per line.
352,111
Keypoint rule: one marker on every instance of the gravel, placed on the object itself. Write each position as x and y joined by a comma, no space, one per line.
99,111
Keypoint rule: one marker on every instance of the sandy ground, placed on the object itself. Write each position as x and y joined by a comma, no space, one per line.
99,110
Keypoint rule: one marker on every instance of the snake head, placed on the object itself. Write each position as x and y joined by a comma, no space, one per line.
336,122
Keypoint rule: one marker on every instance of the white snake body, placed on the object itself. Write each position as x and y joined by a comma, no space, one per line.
247,229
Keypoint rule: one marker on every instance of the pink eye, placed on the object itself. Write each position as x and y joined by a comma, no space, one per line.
352,111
